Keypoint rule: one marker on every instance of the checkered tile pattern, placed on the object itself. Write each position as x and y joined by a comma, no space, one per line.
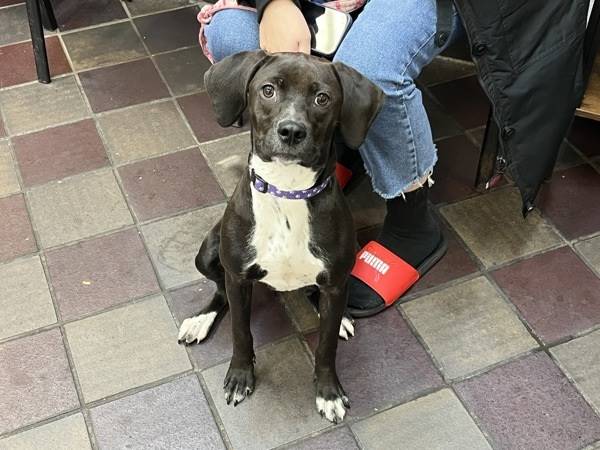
111,175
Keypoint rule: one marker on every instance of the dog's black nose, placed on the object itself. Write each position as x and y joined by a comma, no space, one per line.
291,132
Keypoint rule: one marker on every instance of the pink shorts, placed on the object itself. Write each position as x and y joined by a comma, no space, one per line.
206,13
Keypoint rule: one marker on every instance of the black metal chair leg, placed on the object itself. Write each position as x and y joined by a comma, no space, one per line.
489,152
37,38
48,17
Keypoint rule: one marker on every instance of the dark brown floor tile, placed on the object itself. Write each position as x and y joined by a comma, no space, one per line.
477,135
567,157
184,69
18,66
170,30
555,292
164,185
383,364
459,50
269,321
530,404
585,136
123,85
464,100
58,152
35,380
13,25
568,201
146,7
16,236
444,69
172,415
93,275
199,113
111,44
455,171
72,14
442,124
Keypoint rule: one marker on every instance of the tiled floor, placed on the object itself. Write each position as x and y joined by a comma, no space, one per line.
111,175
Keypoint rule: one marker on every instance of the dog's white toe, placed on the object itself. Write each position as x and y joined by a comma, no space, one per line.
196,328
332,410
346,328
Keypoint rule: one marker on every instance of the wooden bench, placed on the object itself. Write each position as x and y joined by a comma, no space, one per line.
590,106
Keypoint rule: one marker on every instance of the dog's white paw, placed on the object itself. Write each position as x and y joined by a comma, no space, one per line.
333,410
346,328
196,328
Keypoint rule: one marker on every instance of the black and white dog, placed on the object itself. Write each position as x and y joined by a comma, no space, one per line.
287,224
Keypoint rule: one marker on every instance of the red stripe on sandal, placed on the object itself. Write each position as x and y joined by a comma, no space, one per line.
343,174
384,272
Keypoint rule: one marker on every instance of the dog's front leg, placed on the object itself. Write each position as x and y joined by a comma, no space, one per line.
331,398
239,381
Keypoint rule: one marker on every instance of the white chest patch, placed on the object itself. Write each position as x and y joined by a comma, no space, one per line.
281,235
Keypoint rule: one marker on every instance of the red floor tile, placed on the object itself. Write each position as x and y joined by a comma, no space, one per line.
167,184
383,364
123,85
93,275
529,404
58,152
557,294
570,201
36,380
16,235
200,115
18,66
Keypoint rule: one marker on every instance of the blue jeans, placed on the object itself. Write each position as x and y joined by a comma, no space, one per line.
390,42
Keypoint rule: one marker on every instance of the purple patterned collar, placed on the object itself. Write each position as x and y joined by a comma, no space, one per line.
265,188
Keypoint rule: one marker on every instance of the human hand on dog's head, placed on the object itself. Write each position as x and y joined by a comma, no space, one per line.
283,28
310,93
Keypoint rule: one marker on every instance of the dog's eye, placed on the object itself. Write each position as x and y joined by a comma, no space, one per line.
322,99
268,91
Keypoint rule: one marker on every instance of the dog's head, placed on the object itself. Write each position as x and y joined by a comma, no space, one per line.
295,103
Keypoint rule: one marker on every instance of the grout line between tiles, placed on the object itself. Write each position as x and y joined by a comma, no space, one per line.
178,106
212,407
40,423
163,288
42,258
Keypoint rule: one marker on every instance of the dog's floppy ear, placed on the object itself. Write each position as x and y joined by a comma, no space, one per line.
361,104
227,84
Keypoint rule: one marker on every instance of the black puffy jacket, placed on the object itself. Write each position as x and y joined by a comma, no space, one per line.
529,58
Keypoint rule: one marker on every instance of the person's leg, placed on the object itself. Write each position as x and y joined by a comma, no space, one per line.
390,42
231,31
